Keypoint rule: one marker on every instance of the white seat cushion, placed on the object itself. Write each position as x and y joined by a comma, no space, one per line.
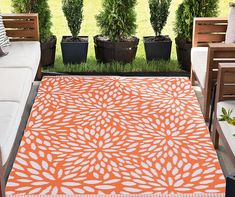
9,123
23,54
15,84
199,57
228,130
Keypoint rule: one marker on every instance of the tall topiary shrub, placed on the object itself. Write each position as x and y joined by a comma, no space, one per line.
183,28
73,10
159,11
186,12
36,6
117,20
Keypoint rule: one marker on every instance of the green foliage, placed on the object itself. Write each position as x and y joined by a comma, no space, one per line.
189,9
159,11
73,10
226,116
36,6
117,20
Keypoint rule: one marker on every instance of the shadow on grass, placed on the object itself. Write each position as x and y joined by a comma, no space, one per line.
138,65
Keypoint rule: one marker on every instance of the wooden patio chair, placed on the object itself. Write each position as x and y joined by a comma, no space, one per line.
225,98
208,51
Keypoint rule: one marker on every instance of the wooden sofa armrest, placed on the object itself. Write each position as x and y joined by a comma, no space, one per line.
22,27
221,47
208,30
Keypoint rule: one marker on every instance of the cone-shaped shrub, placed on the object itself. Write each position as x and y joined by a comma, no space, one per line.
36,6
73,10
159,11
189,9
117,20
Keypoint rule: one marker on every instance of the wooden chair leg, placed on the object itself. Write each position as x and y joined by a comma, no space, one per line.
2,187
207,102
215,138
206,110
39,73
193,78
212,107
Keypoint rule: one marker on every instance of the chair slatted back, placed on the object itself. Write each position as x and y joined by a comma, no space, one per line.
209,30
21,27
226,82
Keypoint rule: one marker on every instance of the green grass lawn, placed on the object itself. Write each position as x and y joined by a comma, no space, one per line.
89,27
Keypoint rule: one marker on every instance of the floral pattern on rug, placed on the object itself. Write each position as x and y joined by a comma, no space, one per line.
116,135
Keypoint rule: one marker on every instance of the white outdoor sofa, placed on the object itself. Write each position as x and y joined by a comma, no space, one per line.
17,73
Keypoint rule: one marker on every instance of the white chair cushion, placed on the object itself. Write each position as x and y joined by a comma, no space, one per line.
23,54
9,123
199,57
15,84
228,130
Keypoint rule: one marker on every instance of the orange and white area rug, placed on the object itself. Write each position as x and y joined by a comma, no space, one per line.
116,136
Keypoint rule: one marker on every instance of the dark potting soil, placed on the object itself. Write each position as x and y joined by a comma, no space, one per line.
102,38
72,39
157,39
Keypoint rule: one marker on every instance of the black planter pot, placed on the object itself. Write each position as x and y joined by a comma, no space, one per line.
74,52
157,49
183,50
48,50
107,51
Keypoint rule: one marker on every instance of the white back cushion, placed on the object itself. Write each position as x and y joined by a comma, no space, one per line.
13,83
230,34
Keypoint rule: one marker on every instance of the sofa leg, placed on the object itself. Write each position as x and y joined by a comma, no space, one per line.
193,78
215,138
206,112
39,73
230,185
2,189
207,103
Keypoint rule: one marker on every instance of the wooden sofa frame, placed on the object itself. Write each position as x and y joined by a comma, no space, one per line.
210,32
225,91
23,27
19,27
